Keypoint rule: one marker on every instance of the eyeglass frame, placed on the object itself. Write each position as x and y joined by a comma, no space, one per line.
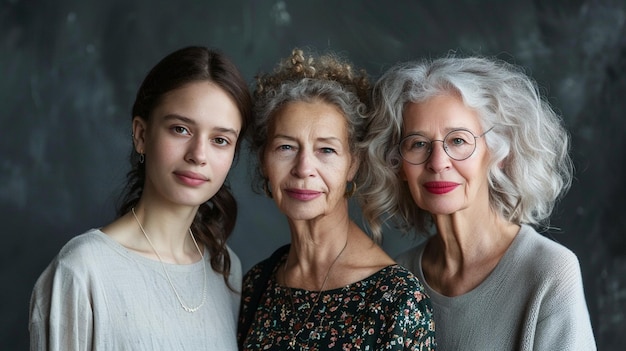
445,149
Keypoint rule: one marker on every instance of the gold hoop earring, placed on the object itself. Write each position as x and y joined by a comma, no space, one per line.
350,188
267,189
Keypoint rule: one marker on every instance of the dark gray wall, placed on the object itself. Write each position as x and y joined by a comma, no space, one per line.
69,71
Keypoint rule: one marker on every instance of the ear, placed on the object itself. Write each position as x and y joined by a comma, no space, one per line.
140,128
354,167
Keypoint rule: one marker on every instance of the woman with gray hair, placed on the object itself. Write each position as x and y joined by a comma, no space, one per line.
468,151
333,287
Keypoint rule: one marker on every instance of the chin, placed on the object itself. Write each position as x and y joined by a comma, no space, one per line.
301,215
440,210
192,201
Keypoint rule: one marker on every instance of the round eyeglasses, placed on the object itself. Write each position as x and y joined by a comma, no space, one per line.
459,144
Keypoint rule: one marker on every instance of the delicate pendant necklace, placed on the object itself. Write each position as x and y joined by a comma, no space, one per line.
167,275
292,342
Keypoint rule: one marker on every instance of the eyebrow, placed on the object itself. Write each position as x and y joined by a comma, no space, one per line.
445,130
232,131
187,120
323,139
175,117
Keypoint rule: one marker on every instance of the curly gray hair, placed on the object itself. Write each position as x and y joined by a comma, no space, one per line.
326,78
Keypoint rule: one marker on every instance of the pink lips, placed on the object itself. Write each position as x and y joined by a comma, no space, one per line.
191,178
440,187
302,194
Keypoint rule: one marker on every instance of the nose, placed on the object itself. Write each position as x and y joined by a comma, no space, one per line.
197,152
304,165
438,160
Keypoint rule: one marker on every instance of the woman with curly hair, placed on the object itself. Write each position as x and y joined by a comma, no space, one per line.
332,287
160,276
466,149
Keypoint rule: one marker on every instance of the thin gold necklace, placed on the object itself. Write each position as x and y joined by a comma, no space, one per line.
167,275
292,343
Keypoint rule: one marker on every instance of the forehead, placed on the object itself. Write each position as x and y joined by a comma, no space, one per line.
202,101
440,113
313,118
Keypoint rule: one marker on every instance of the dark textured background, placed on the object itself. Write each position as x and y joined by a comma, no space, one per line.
69,71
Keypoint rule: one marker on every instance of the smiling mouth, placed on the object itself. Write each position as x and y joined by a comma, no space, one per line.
440,187
191,179
302,195
192,175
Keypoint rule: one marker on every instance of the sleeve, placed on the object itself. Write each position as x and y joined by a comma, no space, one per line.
254,286
235,270
61,317
417,319
413,324
565,324
247,291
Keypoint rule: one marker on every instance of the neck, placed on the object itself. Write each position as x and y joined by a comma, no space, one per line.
314,253
465,251
167,232
464,240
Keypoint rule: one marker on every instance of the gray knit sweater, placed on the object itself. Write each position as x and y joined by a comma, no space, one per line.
533,300
97,295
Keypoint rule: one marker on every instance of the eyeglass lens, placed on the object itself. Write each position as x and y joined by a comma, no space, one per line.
458,144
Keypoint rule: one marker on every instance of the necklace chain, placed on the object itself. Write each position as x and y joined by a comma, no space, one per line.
292,343
167,275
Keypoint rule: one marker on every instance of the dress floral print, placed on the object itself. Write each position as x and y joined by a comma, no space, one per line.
386,311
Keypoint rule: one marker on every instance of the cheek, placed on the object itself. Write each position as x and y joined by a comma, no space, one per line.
409,175
163,148
402,174
273,169
408,172
473,172
415,189
223,160
335,177
159,154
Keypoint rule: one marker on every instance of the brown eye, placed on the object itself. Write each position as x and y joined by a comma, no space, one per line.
221,141
180,130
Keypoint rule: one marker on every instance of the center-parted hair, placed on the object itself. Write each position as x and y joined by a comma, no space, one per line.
530,167
215,219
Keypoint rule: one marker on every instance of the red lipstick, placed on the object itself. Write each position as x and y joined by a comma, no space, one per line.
440,187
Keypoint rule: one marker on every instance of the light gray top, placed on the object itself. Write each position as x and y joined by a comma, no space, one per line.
98,295
533,300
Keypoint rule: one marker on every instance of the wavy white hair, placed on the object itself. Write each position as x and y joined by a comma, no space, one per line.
530,165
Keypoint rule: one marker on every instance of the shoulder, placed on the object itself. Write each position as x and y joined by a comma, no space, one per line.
411,257
403,278
542,252
83,248
235,262
266,267
401,296
81,256
235,274
546,267
74,264
396,283
551,274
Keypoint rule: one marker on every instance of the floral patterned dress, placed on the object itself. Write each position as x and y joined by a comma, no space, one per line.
386,311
